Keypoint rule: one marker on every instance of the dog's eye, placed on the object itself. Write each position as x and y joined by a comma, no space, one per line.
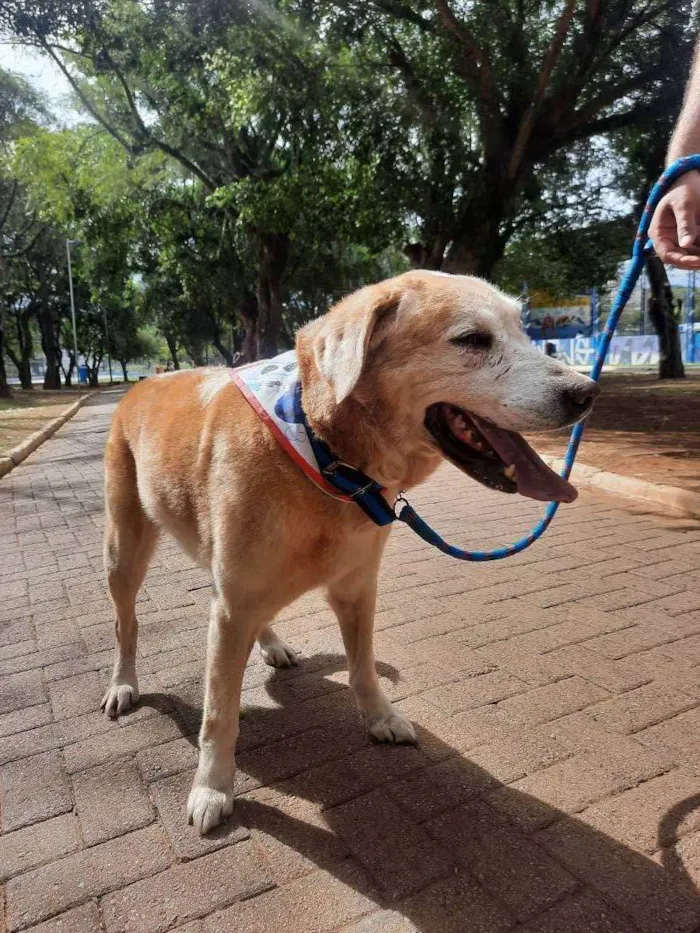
474,339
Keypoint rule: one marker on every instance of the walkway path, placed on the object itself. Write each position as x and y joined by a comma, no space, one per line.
557,697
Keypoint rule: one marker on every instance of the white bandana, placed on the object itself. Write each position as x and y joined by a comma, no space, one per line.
273,390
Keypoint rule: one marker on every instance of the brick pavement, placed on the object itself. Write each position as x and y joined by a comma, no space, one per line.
557,698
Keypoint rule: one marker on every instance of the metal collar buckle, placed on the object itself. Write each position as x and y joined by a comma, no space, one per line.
333,468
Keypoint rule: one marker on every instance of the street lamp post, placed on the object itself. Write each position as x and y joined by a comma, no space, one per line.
70,243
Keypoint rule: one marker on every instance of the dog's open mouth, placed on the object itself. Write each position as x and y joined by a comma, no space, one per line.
495,457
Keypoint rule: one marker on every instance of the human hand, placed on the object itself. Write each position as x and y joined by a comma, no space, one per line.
675,226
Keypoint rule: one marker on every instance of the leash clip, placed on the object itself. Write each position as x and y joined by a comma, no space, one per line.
399,499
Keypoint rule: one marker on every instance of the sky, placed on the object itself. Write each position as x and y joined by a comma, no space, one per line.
42,73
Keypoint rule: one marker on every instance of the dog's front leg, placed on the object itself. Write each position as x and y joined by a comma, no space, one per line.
232,630
353,601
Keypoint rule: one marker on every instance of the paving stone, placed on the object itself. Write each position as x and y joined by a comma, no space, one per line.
316,903
111,800
637,709
22,720
186,892
474,692
71,881
651,816
34,845
20,690
541,704
85,919
513,868
74,695
444,906
633,884
119,743
34,789
161,761
32,742
573,784
292,831
582,912
399,855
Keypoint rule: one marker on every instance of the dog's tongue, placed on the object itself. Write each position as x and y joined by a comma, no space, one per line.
533,476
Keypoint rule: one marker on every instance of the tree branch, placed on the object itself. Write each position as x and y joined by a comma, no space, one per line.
405,13
146,135
400,60
10,202
91,109
641,113
528,121
477,63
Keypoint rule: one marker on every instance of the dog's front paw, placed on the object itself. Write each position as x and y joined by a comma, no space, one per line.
119,698
206,808
393,728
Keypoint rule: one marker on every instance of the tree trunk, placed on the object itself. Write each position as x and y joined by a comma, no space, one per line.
470,255
51,348
195,350
94,371
485,225
22,360
432,256
68,373
274,252
249,316
5,390
24,371
664,320
223,349
172,347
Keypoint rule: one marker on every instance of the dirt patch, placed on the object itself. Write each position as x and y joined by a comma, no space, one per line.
27,412
641,426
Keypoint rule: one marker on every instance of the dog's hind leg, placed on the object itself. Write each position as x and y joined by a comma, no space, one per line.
353,601
130,539
275,651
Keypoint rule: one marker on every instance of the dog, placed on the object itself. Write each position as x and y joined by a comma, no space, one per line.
396,377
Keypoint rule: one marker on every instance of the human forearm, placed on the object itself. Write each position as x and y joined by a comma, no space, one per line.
686,137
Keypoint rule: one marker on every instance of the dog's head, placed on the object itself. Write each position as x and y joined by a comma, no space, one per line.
442,360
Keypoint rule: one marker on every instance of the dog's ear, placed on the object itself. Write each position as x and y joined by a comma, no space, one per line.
340,340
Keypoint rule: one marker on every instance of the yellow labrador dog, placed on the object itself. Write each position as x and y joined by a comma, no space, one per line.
393,378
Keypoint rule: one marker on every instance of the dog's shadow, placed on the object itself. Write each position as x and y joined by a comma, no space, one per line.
443,845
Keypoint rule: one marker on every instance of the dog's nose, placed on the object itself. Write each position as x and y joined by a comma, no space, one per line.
579,399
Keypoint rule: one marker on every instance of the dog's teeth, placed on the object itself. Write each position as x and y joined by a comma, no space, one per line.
510,471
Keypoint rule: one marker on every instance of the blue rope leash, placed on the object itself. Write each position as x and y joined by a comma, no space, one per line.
407,513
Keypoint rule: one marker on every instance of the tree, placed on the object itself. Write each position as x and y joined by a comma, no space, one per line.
20,309
502,93
245,101
562,262
20,109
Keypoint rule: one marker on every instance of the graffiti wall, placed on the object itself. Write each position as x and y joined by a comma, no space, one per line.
624,351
